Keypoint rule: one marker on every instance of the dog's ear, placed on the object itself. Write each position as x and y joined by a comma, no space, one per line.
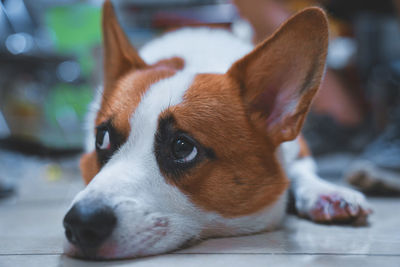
119,54
280,77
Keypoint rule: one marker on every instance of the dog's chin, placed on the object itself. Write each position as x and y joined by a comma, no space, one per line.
105,252
109,251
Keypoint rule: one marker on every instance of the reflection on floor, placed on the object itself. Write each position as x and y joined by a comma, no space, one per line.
31,231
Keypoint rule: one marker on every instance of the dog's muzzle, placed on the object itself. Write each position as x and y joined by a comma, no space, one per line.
88,225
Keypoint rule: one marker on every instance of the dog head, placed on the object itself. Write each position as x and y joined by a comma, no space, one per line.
175,156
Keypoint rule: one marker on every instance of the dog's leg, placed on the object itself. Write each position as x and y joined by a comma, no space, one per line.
322,201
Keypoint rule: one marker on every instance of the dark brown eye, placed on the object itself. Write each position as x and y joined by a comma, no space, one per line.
108,141
103,139
183,149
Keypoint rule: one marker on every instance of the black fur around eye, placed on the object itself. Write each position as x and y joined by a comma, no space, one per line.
176,151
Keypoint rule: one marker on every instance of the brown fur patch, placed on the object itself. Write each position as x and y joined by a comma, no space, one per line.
89,166
304,150
245,175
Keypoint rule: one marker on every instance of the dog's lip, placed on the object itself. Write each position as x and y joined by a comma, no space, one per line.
90,254
111,249
104,252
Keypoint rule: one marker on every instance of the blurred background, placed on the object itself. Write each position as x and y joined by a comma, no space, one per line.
50,65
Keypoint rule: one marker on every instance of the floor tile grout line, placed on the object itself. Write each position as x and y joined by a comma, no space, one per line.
36,202
290,254
31,254
240,253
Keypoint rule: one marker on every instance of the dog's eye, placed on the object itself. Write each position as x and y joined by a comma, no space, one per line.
177,151
183,150
103,139
108,140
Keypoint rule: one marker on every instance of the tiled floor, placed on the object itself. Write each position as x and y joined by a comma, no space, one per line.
31,232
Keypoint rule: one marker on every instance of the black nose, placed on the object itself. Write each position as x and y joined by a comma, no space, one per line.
87,226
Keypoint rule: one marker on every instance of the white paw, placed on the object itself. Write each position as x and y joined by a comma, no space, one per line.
326,203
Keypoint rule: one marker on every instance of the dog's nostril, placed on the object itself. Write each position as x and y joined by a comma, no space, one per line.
70,236
88,226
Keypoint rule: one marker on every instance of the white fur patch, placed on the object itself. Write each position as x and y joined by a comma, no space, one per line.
203,49
308,187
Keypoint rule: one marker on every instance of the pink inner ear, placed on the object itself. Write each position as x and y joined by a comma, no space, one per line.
265,102
281,96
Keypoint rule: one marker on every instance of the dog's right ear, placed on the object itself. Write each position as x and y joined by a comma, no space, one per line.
119,54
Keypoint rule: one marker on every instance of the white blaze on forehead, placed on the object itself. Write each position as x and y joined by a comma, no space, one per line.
159,97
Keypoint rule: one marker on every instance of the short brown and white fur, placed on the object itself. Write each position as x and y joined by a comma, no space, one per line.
198,136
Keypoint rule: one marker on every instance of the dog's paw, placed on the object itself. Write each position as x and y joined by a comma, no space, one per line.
333,204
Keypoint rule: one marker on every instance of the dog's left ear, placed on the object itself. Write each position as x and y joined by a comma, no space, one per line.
119,55
280,77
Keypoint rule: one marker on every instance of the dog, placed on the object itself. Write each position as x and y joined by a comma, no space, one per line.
198,136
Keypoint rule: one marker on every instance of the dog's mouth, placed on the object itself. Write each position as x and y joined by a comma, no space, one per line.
108,251
85,253
138,246
111,251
